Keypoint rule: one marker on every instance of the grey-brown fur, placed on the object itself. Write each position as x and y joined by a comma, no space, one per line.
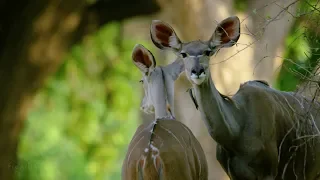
164,149
262,133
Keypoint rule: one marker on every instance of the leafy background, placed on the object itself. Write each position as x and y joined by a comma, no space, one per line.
83,119
85,116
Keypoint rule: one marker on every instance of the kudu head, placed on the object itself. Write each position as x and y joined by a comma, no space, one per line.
158,82
196,54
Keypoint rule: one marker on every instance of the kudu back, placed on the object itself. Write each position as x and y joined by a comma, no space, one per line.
262,133
165,149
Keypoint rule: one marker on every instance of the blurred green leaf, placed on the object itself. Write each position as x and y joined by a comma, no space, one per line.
301,54
85,116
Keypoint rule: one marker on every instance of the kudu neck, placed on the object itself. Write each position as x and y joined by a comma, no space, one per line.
217,111
160,103
160,112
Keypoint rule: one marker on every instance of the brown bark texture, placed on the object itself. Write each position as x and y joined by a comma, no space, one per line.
35,35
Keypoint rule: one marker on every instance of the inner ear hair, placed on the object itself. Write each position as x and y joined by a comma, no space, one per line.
151,58
143,58
164,36
227,33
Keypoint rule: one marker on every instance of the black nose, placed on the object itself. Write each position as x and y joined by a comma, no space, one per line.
197,70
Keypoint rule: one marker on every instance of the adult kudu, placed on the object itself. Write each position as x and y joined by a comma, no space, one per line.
165,149
262,133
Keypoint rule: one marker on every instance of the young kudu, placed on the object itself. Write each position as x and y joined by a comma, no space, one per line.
262,133
165,149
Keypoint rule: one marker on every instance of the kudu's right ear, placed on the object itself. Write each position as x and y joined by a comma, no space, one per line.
143,59
226,34
163,36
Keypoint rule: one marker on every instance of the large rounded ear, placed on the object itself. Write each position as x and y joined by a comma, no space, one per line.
163,36
143,59
226,34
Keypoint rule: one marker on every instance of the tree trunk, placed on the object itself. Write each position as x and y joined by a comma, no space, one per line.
271,26
35,35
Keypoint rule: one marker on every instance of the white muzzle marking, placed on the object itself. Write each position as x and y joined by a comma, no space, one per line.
198,79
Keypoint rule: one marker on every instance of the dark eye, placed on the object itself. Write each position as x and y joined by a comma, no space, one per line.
183,54
141,81
207,52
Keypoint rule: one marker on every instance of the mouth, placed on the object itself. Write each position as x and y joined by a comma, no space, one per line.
198,79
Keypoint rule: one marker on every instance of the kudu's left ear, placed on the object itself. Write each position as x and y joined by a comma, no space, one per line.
143,58
226,34
163,36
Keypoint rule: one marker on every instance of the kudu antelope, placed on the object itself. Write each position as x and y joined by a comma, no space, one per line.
262,133
165,149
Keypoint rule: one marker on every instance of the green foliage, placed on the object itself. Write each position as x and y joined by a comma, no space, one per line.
241,5
301,56
83,120
295,60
